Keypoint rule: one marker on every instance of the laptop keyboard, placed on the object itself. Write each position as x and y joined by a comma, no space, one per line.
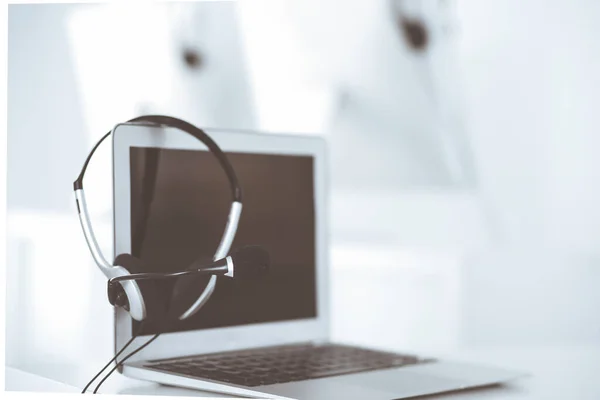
270,365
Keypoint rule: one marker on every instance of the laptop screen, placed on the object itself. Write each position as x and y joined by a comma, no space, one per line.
180,200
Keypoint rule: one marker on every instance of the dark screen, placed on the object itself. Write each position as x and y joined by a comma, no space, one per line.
180,200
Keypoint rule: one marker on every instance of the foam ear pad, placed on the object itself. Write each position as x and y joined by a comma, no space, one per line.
154,301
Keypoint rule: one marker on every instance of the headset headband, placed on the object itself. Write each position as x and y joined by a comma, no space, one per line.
198,133
107,268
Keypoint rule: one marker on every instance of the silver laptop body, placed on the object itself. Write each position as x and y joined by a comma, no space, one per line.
284,178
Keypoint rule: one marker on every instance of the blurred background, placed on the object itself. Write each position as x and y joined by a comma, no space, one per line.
463,137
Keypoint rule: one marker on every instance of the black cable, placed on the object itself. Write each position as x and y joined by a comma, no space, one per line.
107,365
125,359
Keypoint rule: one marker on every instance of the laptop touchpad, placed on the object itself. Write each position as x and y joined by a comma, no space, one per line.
401,382
327,389
376,385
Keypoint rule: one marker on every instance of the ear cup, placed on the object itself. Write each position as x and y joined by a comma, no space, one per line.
186,291
154,301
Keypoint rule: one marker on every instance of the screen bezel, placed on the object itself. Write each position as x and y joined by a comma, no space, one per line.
202,341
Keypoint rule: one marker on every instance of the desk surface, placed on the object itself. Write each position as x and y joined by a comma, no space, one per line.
557,372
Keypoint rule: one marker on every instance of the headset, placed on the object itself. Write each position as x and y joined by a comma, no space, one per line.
136,291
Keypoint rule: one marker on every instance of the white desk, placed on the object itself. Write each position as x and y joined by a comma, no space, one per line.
565,372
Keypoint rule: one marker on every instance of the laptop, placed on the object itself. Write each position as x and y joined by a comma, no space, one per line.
265,338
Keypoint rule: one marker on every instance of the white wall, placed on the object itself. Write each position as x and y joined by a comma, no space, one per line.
532,85
46,128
